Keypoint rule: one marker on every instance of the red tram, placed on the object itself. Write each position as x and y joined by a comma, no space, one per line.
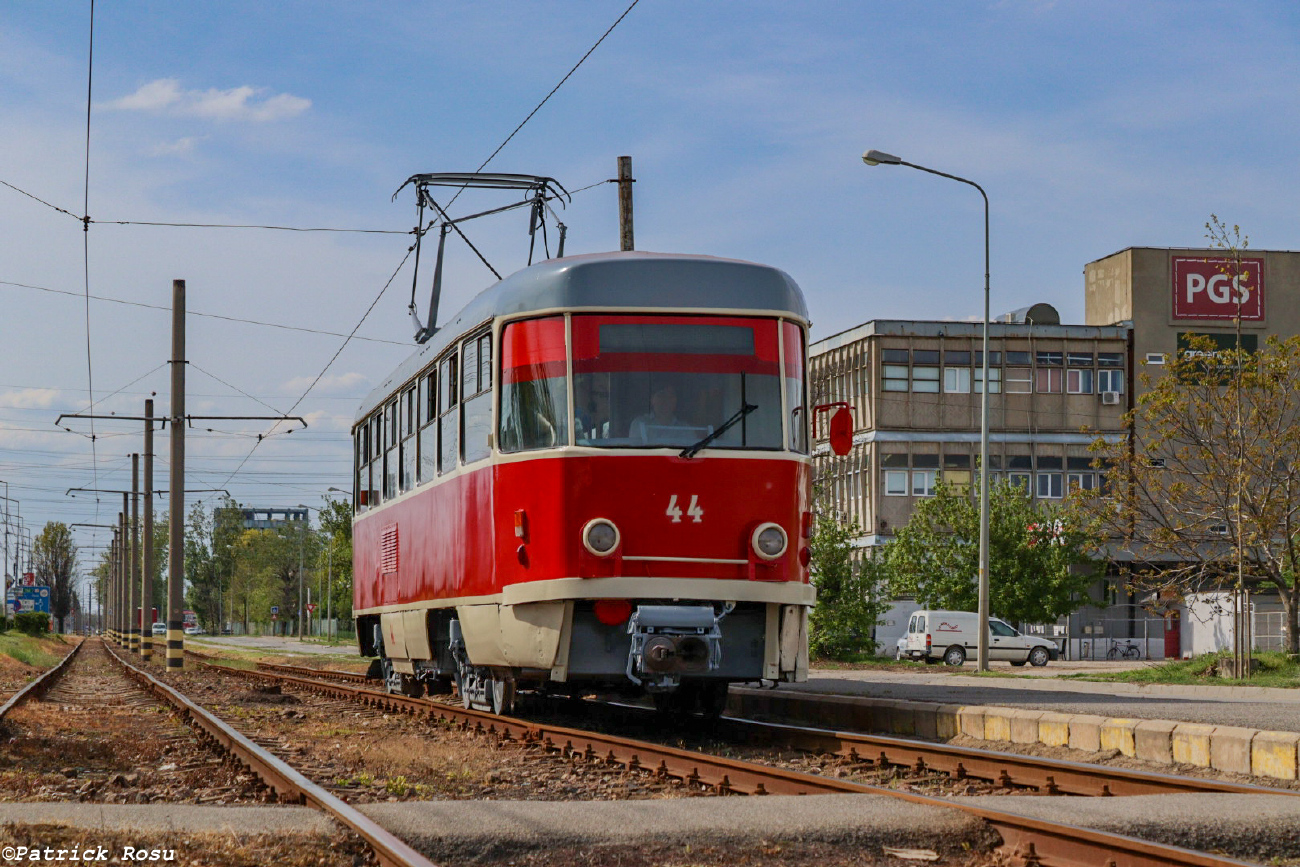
595,477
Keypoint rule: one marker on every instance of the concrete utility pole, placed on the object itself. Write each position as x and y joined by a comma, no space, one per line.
128,550
110,629
625,181
146,585
138,645
176,495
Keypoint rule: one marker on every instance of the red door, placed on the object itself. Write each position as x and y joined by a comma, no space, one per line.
1173,635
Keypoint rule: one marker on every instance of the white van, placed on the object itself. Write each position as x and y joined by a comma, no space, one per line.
951,636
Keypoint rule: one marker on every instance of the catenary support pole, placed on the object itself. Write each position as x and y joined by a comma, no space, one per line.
128,552
141,624
625,181
146,582
176,495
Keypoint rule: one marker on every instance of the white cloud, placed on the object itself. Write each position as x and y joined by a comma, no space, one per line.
165,96
332,384
29,398
179,147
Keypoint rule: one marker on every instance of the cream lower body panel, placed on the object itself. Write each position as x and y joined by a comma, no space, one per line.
529,625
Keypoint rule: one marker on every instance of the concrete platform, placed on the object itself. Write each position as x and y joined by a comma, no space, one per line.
1249,827
1238,749
161,818
493,829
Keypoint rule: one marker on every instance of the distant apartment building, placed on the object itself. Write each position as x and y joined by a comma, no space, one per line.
914,388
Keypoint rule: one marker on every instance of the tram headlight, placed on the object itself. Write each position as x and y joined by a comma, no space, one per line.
769,541
600,536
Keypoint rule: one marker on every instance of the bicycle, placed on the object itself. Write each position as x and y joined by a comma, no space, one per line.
1127,650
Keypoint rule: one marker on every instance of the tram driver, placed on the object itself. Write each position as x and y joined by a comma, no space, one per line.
663,413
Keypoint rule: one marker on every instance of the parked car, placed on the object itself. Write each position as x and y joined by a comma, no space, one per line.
159,628
951,636
194,630
900,647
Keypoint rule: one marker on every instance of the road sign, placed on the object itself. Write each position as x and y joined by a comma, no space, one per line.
311,606
275,609
23,598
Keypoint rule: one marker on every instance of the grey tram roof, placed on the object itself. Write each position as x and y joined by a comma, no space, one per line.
609,281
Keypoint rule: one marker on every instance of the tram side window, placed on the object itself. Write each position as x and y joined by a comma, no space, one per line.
392,458
792,337
448,417
476,397
428,427
534,392
407,409
361,461
376,459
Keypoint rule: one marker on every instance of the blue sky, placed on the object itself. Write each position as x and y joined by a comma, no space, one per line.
1092,125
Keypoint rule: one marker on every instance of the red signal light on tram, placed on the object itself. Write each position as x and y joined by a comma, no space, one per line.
612,612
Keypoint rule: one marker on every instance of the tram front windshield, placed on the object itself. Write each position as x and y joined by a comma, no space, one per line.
656,382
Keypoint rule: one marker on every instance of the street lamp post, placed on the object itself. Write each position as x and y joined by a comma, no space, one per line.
877,158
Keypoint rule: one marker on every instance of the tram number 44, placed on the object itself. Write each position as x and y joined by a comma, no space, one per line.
675,512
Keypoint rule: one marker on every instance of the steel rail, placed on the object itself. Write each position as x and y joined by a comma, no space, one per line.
289,785
1050,776
38,687
1035,841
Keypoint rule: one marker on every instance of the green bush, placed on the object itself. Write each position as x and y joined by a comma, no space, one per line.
33,623
4,624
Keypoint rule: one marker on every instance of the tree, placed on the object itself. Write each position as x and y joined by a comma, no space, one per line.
935,557
1205,490
54,560
335,561
848,604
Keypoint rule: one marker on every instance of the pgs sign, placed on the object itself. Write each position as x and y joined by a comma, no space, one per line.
1209,289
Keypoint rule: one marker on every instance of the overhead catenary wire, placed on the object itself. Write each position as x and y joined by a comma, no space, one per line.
220,316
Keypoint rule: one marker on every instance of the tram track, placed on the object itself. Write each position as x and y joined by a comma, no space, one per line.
1030,840
1002,769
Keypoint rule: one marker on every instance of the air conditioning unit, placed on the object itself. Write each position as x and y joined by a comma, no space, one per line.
1110,398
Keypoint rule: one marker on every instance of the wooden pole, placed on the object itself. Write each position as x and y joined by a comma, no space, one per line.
625,181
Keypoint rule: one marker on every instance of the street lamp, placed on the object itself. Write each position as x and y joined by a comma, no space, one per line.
878,158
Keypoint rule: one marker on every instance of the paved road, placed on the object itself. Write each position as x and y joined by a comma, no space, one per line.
1252,707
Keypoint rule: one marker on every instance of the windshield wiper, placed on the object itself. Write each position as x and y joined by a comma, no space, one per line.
745,410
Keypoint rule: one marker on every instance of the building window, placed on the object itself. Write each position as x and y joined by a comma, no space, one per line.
961,357
923,483
1110,359
925,379
995,358
1110,380
1078,359
895,377
925,356
1019,480
896,483
1018,380
995,380
1078,381
1081,481
1047,359
896,356
1047,380
1018,358
958,479
956,380
1049,486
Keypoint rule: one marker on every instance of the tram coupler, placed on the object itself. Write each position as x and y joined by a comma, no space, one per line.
669,641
